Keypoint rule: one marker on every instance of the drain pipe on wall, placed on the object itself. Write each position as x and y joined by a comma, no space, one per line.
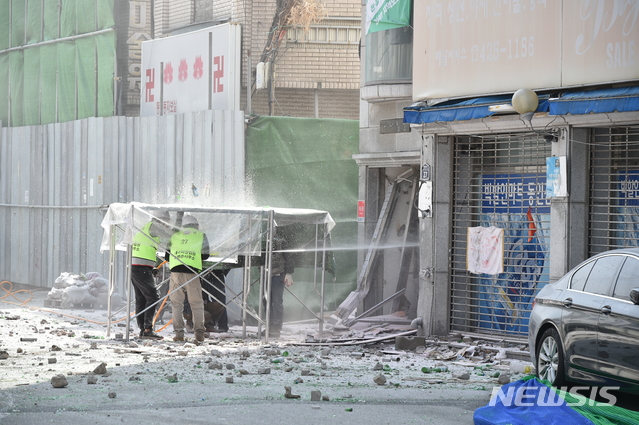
316,95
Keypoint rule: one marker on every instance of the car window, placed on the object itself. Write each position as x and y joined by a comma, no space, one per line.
579,278
602,274
628,279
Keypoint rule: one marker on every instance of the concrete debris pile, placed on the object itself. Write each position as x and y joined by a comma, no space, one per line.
451,358
84,289
69,352
234,360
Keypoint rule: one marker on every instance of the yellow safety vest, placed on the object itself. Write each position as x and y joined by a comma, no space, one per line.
186,248
144,245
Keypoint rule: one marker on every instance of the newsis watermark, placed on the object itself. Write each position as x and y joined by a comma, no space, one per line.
546,396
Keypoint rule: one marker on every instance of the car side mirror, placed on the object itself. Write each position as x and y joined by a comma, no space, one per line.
634,295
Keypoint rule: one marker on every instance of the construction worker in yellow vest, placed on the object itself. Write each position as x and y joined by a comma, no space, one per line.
144,259
187,250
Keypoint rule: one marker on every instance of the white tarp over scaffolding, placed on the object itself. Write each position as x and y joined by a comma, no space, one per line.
231,232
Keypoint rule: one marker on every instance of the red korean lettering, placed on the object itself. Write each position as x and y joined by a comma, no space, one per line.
149,85
218,74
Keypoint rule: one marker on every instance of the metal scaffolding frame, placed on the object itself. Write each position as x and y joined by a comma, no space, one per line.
256,228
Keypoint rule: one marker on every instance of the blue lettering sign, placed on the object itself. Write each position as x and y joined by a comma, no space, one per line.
514,194
628,188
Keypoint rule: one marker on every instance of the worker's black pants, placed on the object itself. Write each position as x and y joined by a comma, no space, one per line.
276,318
145,295
219,291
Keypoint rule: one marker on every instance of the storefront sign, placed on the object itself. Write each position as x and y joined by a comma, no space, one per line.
195,71
556,177
464,47
629,188
514,194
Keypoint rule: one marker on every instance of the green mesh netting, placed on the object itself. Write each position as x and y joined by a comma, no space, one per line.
104,11
32,88
85,71
105,46
48,78
4,29
64,81
16,85
16,22
4,89
600,413
51,20
86,17
34,22
68,20
307,163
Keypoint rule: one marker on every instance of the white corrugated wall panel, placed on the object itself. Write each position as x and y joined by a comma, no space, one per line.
57,179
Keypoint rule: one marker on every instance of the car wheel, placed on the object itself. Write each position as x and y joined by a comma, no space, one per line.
550,358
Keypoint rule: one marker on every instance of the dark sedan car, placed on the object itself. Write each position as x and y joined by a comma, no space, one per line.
584,328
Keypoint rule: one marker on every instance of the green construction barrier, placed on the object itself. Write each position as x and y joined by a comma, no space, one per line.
66,81
48,77
57,82
105,46
4,28
307,163
4,89
16,20
51,21
34,22
85,71
31,114
16,85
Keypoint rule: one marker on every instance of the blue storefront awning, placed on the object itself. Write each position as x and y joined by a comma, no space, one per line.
461,110
624,99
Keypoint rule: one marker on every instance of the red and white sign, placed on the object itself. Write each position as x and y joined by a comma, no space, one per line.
195,71
361,211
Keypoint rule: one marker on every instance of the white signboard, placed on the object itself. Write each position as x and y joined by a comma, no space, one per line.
601,41
195,71
474,47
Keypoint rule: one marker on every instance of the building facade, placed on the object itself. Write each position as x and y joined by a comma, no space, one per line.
314,69
72,60
504,201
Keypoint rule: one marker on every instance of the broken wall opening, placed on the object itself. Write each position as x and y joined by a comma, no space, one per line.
389,275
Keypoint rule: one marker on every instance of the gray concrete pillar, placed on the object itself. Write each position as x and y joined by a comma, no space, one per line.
559,216
435,239
569,215
579,195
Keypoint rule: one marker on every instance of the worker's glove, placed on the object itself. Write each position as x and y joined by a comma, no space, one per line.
155,272
288,279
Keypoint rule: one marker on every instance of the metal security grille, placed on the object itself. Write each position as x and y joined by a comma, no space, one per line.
500,182
614,189
333,31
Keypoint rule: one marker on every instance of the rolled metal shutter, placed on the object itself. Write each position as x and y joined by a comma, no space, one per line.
614,189
499,181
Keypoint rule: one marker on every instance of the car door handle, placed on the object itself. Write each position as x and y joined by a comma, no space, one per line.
568,302
606,310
